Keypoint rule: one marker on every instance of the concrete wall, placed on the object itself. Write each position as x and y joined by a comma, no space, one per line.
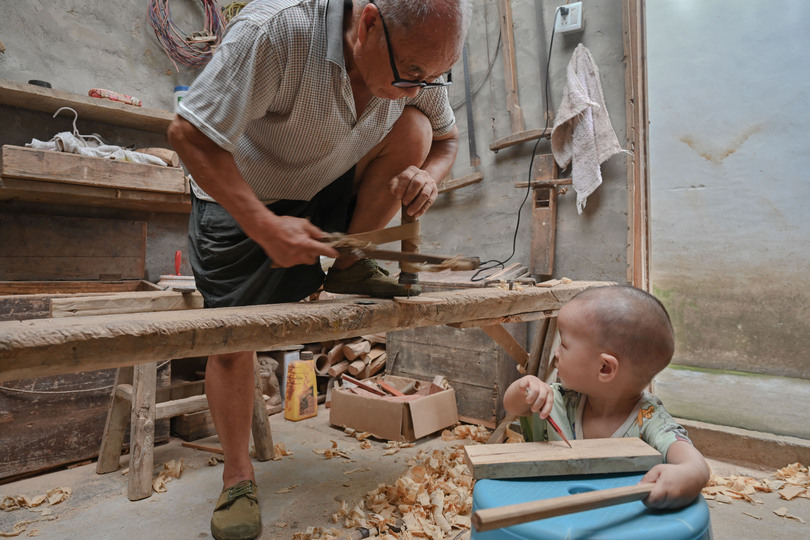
481,219
729,98
81,44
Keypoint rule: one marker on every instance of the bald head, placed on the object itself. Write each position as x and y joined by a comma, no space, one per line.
630,324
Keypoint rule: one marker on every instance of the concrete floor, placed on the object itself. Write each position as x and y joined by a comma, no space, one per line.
99,508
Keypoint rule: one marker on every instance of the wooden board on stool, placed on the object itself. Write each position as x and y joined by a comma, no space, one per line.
555,458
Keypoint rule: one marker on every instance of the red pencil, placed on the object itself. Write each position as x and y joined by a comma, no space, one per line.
558,430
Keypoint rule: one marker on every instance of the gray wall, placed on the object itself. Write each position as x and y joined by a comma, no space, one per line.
729,94
480,219
81,44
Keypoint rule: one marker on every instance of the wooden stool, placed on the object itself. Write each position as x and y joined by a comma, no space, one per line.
134,399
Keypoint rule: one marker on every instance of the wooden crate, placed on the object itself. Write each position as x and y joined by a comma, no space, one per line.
47,422
477,368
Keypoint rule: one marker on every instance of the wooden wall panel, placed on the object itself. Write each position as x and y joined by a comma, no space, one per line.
42,247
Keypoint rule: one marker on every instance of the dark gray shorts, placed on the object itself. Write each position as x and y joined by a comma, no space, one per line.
230,269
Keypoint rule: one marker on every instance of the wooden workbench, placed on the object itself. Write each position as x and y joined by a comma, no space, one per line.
40,347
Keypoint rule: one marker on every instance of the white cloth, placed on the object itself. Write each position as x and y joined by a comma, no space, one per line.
582,133
74,144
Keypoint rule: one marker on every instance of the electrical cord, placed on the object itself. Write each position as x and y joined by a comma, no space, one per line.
476,87
494,263
192,50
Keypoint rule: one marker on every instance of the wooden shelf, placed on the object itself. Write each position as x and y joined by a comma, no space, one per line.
37,98
61,178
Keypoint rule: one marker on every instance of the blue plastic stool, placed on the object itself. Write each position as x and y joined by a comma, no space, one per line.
628,521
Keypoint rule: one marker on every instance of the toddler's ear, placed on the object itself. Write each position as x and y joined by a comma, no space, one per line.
608,368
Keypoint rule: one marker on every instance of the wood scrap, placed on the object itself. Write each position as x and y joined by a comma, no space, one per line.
169,157
338,369
353,349
554,458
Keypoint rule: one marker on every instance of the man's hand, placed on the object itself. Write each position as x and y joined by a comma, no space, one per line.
416,189
290,241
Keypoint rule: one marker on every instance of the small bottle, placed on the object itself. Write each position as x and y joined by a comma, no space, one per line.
301,393
179,93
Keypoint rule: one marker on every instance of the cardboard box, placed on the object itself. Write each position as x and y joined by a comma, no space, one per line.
391,419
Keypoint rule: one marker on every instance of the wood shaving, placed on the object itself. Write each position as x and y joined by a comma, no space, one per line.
279,451
172,469
286,489
789,482
432,499
21,526
53,496
466,431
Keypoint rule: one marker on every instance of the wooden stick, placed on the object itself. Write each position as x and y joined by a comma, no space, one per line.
505,516
203,447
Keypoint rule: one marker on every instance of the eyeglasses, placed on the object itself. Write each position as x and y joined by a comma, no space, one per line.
398,81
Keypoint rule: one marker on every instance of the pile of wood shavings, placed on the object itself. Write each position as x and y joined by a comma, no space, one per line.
789,482
433,499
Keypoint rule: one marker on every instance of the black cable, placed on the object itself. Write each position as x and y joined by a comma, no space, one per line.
494,263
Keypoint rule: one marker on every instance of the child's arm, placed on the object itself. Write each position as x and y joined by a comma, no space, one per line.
679,480
527,395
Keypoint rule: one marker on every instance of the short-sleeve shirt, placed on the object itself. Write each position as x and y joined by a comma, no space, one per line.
276,95
649,421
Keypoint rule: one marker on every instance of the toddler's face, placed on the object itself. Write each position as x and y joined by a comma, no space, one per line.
578,358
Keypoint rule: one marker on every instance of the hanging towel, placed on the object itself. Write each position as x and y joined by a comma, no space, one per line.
582,133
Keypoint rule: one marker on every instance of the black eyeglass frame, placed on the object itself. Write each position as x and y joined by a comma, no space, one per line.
398,81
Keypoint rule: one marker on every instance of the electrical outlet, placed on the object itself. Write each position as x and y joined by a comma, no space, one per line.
569,18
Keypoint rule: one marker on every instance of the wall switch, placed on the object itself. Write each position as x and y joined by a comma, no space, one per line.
569,19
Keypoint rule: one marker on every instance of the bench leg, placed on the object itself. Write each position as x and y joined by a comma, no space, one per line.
262,437
109,455
142,431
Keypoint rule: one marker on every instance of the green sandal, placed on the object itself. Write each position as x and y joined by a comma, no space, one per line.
236,516
366,277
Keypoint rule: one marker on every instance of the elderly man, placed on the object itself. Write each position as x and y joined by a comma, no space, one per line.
312,116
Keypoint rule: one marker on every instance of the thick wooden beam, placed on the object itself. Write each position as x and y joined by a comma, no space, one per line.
40,347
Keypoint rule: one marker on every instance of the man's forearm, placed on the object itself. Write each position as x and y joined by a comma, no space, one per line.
441,157
215,171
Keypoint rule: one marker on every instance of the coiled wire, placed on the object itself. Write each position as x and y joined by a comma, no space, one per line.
192,50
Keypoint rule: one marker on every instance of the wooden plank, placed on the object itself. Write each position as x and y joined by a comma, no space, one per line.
488,519
520,137
52,346
510,65
43,247
503,338
519,317
52,288
30,164
61,194
637,123
129,302
49,100
453,184
544,231
588,456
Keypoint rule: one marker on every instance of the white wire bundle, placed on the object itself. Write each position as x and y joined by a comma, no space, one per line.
196,49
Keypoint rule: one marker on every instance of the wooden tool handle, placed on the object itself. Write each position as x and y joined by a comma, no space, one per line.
168,156
505,516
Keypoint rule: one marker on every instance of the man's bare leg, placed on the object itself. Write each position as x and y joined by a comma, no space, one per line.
229,387
408,143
